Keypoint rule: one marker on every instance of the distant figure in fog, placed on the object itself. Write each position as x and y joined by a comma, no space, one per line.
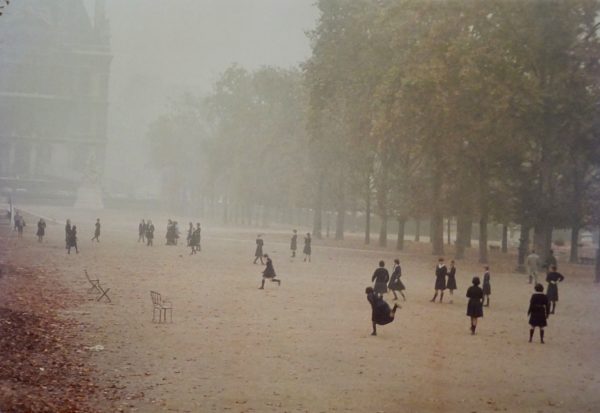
67,233
97,231
172,233
381,313
189,234
294,243
395,282
269,273
149,234
258,253
195,239
533,266
539,310
475,304
381,276
142,231
487,285
20,224
307,247
550,261
553,278
41,229
72,241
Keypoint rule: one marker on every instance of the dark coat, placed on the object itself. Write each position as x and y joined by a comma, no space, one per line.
539,308
294,242
380,310
307,247
451,283
381,276
259,248
269,271
553,278
487,286
395,282
475,304
440,277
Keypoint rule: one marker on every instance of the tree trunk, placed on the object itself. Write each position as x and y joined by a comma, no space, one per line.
400,239
437,218
597,278
383,231
542,239
437,234
339,224
417,230
483,238
504,239
523,247
448,233
318,218
574,253
463,232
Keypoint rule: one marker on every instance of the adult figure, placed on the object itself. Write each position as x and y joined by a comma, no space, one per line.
67,233
72,241
41,229
294,243
149,234
258,252
538,312
533,266
307,247
142,231
97,231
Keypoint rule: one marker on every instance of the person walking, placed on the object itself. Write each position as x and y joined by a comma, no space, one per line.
307,247
538,312
72,242
142,231
258,253
553,278
149,234
294,243
97,231
475,304
41,229
487,286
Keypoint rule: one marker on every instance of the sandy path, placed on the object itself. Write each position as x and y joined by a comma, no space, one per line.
305,347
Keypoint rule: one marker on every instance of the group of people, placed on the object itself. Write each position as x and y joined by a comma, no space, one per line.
71,237
540,306
146,232
307,250
193,238
172,233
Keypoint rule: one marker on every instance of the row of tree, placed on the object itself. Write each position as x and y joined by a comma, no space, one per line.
411,109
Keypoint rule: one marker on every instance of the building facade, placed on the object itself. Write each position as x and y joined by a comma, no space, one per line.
54,73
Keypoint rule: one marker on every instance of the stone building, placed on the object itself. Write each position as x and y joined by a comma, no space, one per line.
54,73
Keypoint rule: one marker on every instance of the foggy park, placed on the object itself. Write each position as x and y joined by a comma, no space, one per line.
299,206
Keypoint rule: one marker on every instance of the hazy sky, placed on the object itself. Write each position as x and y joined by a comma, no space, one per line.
162,48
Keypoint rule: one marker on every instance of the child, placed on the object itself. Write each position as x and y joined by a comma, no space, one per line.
41,231
381,276
395,282
451,284
269,273
72,241
475,305
440,280
97,231
487,287
538,312
553,278
380,310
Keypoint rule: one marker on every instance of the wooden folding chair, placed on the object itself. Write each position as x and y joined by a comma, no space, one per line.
160,305
95,286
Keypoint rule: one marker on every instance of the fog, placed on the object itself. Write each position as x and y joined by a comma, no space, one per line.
163,49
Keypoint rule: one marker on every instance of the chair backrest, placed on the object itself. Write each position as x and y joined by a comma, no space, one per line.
156,298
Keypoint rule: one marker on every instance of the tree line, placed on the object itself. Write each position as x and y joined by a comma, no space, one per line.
409,110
